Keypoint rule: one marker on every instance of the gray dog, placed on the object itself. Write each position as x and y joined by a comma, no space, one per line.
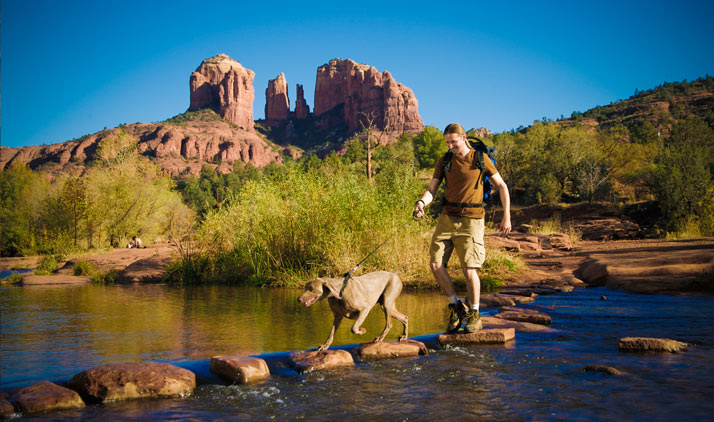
358,298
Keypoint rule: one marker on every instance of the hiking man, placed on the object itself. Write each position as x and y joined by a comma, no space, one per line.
460,225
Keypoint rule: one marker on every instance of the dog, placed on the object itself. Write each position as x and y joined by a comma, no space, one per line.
358,298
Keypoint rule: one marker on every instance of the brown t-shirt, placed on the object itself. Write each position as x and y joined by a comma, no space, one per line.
462,183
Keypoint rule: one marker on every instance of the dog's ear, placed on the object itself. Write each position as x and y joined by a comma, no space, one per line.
332,285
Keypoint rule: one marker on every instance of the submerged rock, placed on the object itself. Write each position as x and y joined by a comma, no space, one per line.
602,368
645,344
6,408
494,301
520,326
45,396
240,369
387,350
133,380
490,336
316,360
532,316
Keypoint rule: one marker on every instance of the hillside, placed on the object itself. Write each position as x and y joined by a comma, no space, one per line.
648,112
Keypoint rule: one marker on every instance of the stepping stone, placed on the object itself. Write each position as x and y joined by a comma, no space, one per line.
519,326
44,396
490,336
122,381
494,301
315,360
240,369
531,316
387,350
644,344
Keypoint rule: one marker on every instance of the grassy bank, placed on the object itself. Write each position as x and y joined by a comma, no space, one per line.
303,223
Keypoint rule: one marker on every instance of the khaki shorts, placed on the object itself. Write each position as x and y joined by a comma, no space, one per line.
464,234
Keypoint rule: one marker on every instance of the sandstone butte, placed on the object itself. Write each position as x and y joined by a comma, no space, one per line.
344,88
223,85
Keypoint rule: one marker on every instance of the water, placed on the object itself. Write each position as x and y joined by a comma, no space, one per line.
52,333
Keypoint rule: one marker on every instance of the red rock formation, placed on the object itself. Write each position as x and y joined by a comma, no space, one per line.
222,84
277,103
302,110
366,94
176,148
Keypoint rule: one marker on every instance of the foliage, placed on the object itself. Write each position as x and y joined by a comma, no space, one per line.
81,268
683,175
120,195
429,146
48,264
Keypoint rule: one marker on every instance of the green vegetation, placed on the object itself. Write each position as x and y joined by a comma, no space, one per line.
120,195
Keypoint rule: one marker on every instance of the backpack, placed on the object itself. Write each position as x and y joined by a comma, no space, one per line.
481,149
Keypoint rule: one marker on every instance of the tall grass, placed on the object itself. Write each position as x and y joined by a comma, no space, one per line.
299,224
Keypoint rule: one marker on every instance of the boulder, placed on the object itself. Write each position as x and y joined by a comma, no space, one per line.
223,85
316,360
45,396
519,326
277,103
387,350
560,241
494,301
645,344
133,380
534,317
363,91
240,369
602,368
489,336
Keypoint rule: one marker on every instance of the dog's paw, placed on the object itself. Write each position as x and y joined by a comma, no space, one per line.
403,338
360,331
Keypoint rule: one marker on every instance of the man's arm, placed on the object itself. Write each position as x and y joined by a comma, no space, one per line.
500,184
426,198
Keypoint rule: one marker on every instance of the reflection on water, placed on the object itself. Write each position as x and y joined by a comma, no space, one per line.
53,333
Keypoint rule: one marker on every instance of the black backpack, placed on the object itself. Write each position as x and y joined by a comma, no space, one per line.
481,149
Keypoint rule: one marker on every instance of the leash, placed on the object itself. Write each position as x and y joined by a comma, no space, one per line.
348,274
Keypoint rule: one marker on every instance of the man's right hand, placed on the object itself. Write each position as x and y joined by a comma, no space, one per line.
419,209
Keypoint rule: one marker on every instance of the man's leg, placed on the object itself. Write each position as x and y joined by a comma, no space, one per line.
473,286
472,319
457,309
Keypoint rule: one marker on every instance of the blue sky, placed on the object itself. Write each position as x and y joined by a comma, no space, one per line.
70,68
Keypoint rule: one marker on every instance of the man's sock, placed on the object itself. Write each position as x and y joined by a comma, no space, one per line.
474,308
453,299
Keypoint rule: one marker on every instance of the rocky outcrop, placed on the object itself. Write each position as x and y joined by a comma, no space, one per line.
45,396
277,103
133,380
302,110
178,148
223,85
366,94
147,270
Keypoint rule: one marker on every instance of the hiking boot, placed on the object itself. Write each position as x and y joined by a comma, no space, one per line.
456,312
472,319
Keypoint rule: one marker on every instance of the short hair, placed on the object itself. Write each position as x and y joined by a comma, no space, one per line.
454,128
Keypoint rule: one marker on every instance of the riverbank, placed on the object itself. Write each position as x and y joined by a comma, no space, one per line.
638,266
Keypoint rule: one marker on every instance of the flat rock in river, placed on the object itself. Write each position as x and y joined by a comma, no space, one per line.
316,360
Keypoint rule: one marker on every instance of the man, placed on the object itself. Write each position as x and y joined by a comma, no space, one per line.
460,226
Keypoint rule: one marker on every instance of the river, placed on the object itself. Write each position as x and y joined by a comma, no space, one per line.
52,333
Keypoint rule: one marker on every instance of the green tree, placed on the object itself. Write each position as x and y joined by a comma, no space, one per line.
74,202
429,146
683,173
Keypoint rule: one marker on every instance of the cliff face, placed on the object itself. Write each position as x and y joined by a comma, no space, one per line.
223,85
302,110
366,94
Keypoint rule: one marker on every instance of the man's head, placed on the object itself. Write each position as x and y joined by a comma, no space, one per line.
455,136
